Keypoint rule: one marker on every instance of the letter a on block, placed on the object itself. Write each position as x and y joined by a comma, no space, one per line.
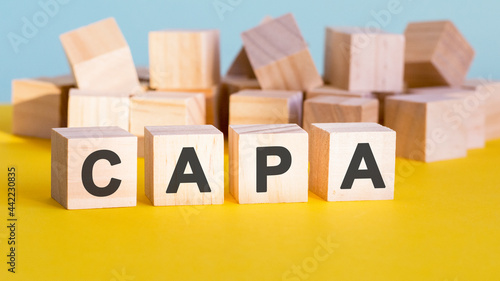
170,150
337,154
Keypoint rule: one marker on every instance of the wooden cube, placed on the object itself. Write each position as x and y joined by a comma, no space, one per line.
280,57
184,59
162,109
100,58
329,90
143,74
381,96
487,94
332,109
268,163
363,59
426,127
352,161
436,54
39,105
241,66
98,109
265,107
94,167
170,151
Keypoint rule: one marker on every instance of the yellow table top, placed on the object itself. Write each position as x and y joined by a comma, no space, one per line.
444,224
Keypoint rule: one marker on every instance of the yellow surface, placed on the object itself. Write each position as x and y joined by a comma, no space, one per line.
443,225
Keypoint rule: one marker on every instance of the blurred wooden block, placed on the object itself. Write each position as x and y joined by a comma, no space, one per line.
39,105
170,152
333,109
100,58
280,57
162,109
352,161
381,96
143,74
98,109
184,59
268,163
241,66
488,95
436,54
265,107
426,127
94,167
329,90
363,59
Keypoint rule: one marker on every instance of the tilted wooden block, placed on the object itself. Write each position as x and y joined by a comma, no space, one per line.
436,54
280,57
94,167
265,107
329,90
332,109
426,127
268,163
162,109
487,93
184,165
184,59
39,105
100,58
98,109
352,161
363,59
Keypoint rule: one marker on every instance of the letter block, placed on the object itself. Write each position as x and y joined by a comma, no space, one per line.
184,165
363,59
39,105
268,163
428,128
332,109
352,161
100,58
280,57
98,109
94,167
162,109
265,107
436,54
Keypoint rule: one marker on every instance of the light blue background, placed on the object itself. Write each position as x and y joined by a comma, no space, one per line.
43,55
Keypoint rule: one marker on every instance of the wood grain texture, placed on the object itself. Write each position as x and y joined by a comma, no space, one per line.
487,93
163,146
70,148
288,187
329,90
331,149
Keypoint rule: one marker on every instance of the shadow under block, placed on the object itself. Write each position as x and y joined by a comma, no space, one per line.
332,109
361,59
100,58
39,105
436,54
97,109
280,57
94,167
265,107
268,163
163,109
352,161
426,127
184,59
488,94
184,165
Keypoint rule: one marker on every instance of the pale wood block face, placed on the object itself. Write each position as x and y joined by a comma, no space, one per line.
93,109
488,94
184,59
286,182
332,109
329,90
164,147
436,54
39,105
100,58
426,127
339,152
279,56
107,157
265,107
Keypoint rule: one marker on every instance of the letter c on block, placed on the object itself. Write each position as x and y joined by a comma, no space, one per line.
88,167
